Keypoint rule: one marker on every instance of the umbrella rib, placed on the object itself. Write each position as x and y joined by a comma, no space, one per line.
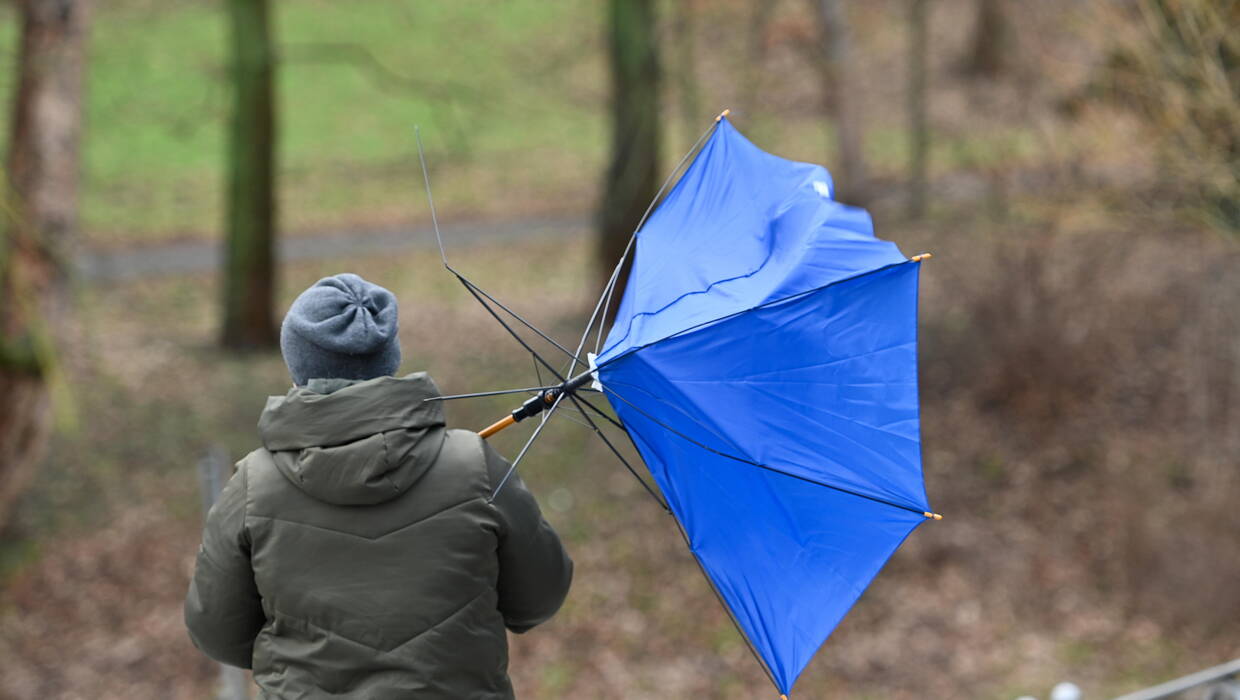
598,339
711,430
515,315
750,462
537,370
565,415
602,414
538,374
611,281
539,358
473,288
724,604
426,178
521,455
615,273
598,431
477,394
625,432
734,314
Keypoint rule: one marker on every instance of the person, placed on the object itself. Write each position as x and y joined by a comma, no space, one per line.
359,552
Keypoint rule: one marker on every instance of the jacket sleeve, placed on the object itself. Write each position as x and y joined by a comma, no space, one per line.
534,570
223,610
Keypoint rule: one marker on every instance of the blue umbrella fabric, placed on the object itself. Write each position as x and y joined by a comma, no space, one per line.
764,361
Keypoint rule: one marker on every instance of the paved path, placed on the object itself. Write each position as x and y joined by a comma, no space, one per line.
204,256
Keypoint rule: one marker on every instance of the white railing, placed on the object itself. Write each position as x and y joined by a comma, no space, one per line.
1220,682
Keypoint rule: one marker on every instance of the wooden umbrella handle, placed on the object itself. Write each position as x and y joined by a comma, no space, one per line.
496,427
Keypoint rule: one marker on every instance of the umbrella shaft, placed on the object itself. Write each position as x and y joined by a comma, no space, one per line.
537,404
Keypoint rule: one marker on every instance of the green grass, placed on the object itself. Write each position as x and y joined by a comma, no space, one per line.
497,87
511,96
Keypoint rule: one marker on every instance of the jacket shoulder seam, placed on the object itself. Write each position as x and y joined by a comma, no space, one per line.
245,502
479,449
244,466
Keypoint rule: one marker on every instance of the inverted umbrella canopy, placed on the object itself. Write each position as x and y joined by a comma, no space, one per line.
764,361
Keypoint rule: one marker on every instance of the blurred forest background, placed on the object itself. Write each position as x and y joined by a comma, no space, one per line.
177,171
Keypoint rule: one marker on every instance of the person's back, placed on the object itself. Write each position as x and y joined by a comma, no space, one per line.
359,552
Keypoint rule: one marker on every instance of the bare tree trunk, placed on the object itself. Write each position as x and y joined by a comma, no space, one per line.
840,97
686,63
761,13
40,219
249,283
919,133
990,53
632,177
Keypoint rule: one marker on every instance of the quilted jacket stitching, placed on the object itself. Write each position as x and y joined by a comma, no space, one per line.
430,628
380,536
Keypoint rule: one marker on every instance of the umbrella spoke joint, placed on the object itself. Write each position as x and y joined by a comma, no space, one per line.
540,402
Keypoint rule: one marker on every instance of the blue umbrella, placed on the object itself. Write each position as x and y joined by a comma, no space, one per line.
763,360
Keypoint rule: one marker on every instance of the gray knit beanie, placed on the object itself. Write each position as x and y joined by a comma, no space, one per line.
342,327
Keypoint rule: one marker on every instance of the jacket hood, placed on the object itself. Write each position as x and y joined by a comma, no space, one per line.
355,442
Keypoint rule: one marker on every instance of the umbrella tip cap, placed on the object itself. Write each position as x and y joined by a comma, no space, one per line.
933,516
923,256
723,114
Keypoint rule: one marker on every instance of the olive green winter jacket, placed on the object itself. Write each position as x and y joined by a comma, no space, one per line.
357,554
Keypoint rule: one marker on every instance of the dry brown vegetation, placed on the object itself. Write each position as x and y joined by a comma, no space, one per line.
1080,403
1081,408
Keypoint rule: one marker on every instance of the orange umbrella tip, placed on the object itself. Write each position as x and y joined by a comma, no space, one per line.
923,256
723,114
933,516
